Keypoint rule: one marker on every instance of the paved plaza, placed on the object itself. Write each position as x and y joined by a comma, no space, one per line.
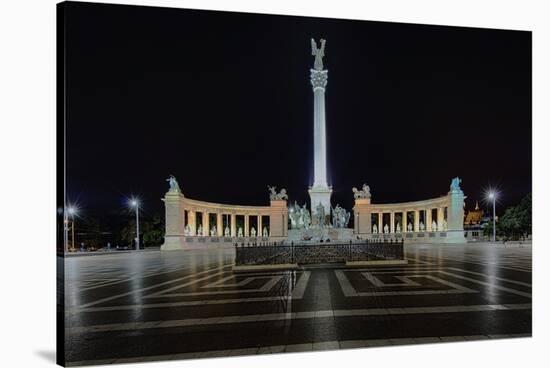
155,305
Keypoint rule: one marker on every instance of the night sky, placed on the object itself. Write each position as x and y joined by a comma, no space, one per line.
223,101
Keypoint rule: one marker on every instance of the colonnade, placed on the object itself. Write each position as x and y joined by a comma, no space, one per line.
219,223
409,220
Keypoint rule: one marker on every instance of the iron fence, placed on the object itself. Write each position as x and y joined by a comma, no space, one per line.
303,253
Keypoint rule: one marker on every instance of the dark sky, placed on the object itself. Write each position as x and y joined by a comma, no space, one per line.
223,101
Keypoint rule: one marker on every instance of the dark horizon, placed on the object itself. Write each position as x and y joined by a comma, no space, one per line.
223,101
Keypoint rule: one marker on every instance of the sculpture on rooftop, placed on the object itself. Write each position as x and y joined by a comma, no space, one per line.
363,193
455,184
274,196
174,186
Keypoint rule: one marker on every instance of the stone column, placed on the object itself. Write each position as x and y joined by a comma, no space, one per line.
392,222
319,192
429,219
404,222
233,225
192,222
416,220
205,223
380,222
219,224
260,229
246,225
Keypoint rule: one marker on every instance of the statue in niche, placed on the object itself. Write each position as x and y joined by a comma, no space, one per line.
421,226
398,228
174,186
409,228
226,231
455,184
253,232
434,226
386,229
199,230
240,232
187,230
213,230
374,229
266,234
320,215
319,53
361,194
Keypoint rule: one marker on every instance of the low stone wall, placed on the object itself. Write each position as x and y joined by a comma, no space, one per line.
422,237
213,242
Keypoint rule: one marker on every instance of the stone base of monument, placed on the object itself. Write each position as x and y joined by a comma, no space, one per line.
455,237
316,235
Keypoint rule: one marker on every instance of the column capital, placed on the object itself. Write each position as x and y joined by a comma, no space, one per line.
319,79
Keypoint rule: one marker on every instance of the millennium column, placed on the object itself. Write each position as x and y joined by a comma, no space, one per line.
319,192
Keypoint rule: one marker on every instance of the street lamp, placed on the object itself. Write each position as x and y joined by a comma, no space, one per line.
134,202
492,196
72,211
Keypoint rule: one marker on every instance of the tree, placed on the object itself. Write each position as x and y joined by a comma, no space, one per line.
516,222
151,231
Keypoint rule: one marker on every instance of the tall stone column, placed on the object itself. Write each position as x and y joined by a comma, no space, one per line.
392,222
429,219
319,192
416,220
380,222
404,222
246,225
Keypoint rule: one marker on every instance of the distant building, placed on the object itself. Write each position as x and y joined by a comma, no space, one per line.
474,223
474,217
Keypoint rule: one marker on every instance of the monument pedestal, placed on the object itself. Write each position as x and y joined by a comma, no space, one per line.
316,235
320,195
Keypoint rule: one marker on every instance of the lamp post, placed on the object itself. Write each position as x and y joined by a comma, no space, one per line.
65,230
135,203
493,196
72,211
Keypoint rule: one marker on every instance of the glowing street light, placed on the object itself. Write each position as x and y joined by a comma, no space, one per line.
134,202
492,196
72,210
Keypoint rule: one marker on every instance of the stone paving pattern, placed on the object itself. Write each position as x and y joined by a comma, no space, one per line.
146,306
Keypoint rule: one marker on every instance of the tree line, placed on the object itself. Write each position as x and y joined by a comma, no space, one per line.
515,223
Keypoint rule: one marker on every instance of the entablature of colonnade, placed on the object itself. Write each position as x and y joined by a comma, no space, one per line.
211,207
442,201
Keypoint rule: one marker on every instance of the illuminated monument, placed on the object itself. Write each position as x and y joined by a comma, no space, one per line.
192,224
319,192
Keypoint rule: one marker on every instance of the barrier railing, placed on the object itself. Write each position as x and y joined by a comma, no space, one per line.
305,253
